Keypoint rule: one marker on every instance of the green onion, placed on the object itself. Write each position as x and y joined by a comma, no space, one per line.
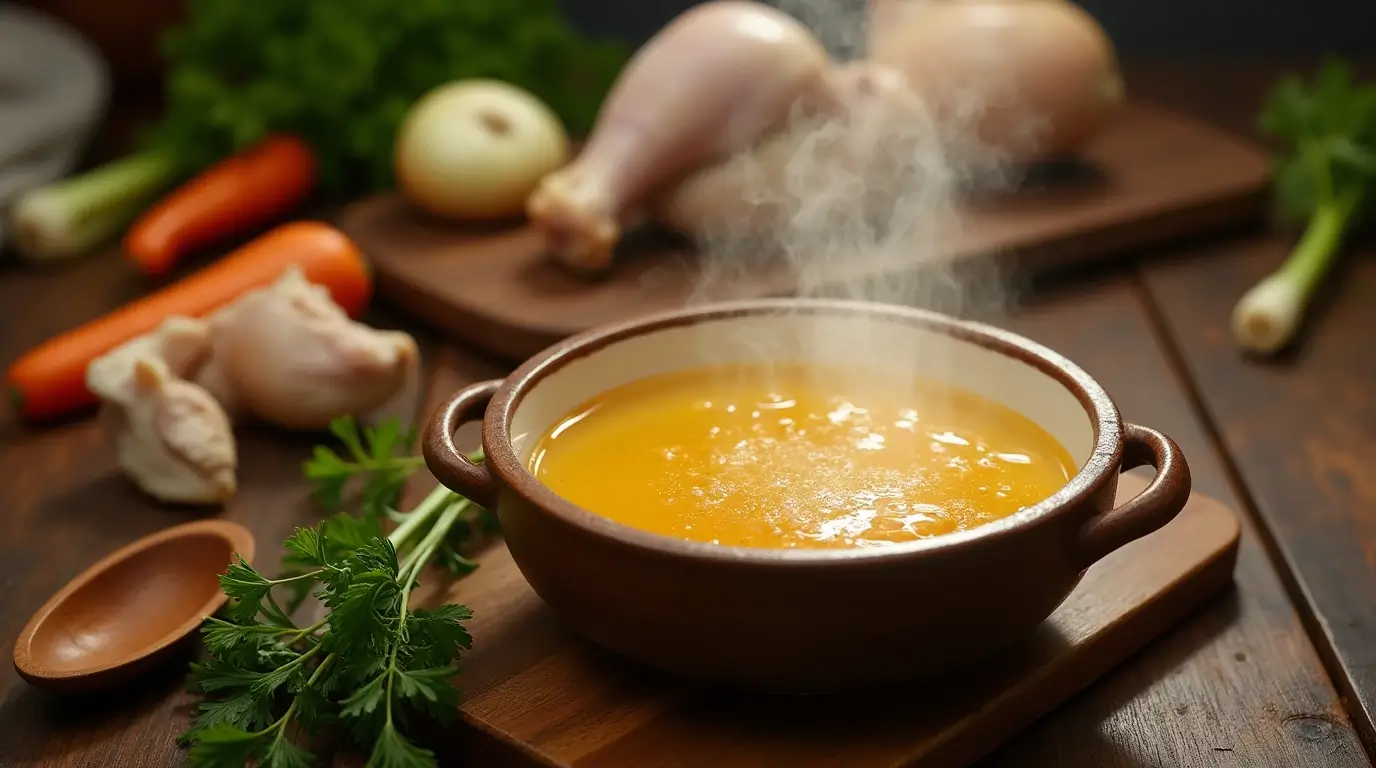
1323,172
1268,315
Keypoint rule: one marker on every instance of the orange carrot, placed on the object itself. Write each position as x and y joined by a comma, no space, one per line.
50,381
233,196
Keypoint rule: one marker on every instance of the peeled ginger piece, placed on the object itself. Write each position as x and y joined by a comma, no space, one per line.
181,343
292,357
172,438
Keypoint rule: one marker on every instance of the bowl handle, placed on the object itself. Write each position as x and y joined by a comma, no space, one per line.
446,462
1151,509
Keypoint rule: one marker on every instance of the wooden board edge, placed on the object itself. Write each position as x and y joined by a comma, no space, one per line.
515,343
479,743
1241,201
505,342
1112,648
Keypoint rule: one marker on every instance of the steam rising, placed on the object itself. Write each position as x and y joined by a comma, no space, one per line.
873,184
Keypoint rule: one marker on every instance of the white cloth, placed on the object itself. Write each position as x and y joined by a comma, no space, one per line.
54,88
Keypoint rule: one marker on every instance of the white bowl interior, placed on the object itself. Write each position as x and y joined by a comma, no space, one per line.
857,339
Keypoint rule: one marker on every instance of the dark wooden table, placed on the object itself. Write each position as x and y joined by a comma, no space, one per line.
1280,671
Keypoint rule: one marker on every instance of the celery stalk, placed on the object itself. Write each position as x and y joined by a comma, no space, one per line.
71,216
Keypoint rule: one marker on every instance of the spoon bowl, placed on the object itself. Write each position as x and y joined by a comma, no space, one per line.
124,613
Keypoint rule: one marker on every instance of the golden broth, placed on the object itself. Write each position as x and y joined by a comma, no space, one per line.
798,456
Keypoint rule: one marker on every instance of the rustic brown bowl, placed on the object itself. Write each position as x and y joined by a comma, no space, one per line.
125,613
808,620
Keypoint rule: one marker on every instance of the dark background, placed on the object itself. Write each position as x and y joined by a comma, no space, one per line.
126,31
1138,27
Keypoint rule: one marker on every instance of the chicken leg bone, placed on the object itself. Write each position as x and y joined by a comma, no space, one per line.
714,81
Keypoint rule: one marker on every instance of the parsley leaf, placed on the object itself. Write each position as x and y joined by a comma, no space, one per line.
438,636
245,589
225,746
371,455
392,750
282,753
372,661
305,546
242,710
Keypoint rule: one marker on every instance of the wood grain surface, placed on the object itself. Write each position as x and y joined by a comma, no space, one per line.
1153,177
1300,430
1249,681
1239,685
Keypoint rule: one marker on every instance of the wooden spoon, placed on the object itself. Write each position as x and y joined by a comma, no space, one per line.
121,615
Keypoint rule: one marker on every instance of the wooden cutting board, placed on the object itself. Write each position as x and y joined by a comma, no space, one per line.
537,695
1152,178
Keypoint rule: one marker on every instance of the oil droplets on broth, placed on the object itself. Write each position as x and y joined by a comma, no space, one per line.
798,456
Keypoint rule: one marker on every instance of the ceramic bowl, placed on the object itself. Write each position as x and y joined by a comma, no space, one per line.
808,620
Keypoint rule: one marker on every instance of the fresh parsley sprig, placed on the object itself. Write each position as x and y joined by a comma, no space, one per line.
370,456
372,663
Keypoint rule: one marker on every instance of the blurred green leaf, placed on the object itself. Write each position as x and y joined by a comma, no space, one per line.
342,73
1327,126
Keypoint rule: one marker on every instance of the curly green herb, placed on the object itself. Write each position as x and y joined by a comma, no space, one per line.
372,663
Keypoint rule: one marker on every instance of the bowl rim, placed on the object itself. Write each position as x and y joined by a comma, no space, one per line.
509,471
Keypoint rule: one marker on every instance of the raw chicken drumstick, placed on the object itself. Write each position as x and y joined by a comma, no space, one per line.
710,84
869,140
